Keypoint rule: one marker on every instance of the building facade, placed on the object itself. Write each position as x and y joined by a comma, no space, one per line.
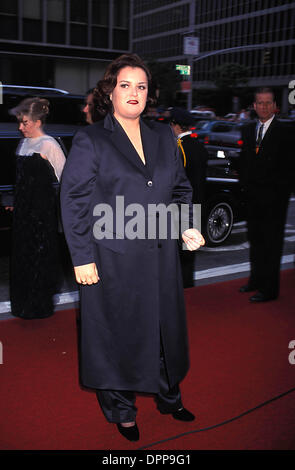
259,34
61,43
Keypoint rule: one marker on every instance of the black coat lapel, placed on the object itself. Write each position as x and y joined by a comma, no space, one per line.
150,142
252,136
268,134
122,143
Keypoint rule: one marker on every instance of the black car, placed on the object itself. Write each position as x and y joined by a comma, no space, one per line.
224,204
64,107
9,140
64,119
222,139
224,197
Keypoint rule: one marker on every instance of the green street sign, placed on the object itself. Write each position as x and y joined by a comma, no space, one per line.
183,69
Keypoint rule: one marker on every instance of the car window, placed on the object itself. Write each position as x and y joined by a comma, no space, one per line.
202,124
63,109
66,110
65,142
221,128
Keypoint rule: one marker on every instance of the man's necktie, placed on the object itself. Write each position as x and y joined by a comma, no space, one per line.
259,137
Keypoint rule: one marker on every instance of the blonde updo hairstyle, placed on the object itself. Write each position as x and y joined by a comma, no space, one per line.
35,108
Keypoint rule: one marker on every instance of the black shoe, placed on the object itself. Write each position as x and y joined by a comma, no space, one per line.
260,297
183,415
131,433
246,288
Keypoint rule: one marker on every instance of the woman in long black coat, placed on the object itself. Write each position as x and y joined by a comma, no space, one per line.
133,326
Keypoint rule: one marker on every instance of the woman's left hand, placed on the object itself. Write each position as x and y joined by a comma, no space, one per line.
193,239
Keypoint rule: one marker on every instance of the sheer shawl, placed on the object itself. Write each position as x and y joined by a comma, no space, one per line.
46,146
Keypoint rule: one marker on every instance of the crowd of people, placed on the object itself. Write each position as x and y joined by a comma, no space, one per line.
133,325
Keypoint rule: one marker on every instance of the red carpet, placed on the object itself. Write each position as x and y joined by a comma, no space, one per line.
239,360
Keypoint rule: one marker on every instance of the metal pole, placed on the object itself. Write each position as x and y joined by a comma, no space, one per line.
190,92
192,13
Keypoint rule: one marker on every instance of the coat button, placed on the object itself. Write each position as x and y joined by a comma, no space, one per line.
150,183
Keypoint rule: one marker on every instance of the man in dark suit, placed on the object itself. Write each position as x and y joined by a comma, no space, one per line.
266,171
192,151
194,157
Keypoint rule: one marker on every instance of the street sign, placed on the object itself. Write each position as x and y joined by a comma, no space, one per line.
191,45
183,69
186,86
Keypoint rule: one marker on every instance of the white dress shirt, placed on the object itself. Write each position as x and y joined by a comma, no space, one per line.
265,126
183,134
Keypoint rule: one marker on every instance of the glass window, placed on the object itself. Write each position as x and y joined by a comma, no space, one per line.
32,30
220,128
202,125
289,27
99,36
100,12
120,39
32,9
8,27
165,20
78,35
146,5
79,11
65,110
56,32
8,6
121,13
55,10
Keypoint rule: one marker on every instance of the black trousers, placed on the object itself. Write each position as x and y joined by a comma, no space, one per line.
266,223
187,260
118,406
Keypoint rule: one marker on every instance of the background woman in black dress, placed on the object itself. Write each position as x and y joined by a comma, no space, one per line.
39,163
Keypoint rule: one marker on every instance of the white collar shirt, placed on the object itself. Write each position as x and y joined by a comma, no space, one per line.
265,126
183,134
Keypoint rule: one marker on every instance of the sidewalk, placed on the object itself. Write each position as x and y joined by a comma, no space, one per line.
68,297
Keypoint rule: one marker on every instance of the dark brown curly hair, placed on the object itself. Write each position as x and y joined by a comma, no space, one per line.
101,93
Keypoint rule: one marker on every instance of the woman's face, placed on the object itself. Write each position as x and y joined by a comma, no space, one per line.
130,94
28,127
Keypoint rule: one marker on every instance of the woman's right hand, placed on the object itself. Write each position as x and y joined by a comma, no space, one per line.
86,274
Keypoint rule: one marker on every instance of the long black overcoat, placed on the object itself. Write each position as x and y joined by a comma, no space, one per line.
139,300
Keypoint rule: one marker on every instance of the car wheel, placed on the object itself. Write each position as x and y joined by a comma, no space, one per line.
218,223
